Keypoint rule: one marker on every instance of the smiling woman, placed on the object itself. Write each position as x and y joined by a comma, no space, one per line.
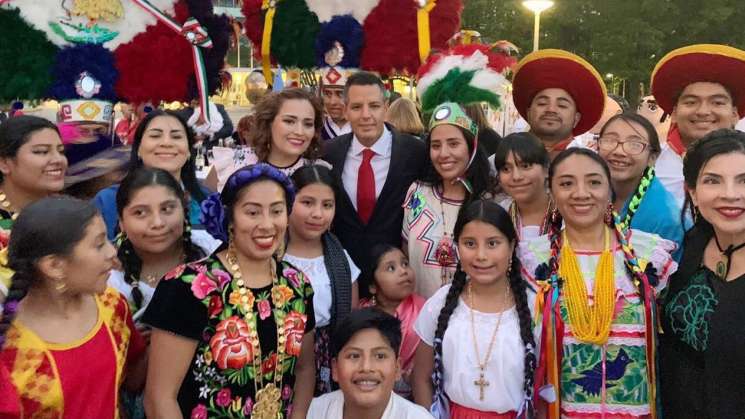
233,333
162,141
32,166
286,135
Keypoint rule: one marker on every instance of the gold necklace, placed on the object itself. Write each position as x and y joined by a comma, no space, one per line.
268,403
5,204
482,382
590,322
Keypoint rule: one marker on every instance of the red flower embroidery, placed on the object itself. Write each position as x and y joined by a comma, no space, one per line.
295,329
215,306
264,309
202,285
269,364
230,345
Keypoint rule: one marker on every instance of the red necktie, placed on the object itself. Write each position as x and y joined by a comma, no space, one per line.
366,187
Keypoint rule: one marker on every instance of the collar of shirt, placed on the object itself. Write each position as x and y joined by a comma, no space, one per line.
337,128
382,147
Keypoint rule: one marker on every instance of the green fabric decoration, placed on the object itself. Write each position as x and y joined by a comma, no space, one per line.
294,35
454,87
25,59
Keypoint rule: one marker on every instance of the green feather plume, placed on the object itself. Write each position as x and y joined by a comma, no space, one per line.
455,87
294,34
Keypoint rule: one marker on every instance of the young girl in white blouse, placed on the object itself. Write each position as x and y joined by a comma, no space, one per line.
477,356
321,257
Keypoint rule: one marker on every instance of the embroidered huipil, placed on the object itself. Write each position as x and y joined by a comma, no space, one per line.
197,301
423,228
609,381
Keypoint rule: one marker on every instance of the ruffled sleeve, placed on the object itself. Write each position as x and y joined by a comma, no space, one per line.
651,248
426,322
533,253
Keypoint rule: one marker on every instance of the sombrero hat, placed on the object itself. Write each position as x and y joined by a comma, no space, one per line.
554,68
699,63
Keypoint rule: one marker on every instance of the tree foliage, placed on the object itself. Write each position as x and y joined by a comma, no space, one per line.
625,38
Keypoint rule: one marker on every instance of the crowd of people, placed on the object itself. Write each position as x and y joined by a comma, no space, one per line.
347,261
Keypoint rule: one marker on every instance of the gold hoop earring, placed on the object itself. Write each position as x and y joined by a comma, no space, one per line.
60,286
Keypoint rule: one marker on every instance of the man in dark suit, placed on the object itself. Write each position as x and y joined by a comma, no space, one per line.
375,165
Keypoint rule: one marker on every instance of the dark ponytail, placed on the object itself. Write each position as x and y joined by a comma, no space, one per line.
49,226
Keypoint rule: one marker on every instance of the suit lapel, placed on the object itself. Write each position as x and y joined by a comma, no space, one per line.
339,171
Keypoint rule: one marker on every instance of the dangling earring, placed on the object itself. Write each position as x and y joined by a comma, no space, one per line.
555,216
374,301
60,286
509,268
609,214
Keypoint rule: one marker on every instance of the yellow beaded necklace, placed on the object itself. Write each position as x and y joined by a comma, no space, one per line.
590,321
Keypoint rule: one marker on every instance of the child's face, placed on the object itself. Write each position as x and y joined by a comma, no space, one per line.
394,278
366,369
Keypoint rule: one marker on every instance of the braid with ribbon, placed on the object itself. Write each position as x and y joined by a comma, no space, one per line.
648,297
638,196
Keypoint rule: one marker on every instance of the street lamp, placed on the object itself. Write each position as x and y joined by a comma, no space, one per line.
537,6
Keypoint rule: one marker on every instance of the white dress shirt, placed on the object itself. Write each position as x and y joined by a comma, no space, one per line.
331,406
380,163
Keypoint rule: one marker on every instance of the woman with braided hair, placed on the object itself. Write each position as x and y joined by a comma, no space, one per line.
62,324
319,254
702,362
477,355
595,309
629,144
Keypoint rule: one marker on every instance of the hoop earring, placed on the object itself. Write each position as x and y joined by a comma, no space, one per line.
60,286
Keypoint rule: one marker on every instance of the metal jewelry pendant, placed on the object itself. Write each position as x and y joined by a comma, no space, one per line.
268,404
721,269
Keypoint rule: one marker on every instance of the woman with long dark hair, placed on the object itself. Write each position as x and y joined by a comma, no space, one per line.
597,289
32,166
478,355
164,141
62,324
457,171
702,362
319,254
233,333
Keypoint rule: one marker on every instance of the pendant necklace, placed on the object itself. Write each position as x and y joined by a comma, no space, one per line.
445,252
722,267
482,382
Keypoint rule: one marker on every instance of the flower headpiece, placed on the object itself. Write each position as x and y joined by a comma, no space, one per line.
215,206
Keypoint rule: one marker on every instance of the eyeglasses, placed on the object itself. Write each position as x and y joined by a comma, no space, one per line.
630,147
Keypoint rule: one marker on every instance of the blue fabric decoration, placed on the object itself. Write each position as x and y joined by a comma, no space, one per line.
215,206
278,84
659,213
70,62
348,32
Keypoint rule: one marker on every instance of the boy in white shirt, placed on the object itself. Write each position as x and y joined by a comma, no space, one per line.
365,365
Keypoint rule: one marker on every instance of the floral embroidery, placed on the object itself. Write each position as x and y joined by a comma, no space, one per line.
223,369
230,344
416,204
175,272
690,309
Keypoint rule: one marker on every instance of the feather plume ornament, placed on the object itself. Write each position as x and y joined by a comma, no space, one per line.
26,57
391,37
348,33
293,34
327,9
71,62
464,74
61,27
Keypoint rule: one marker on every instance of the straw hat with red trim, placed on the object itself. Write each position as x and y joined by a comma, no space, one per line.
554,68
699,63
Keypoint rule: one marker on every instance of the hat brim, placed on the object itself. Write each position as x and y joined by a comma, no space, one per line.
552,68
97,165
699,63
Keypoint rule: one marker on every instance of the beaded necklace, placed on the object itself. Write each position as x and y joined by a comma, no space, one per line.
638,196
268,403
590,321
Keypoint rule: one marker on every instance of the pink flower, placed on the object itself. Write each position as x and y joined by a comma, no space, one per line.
248,407
175,272
286,392
202,285
264,309
199,412
223,398
222,277
293,276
